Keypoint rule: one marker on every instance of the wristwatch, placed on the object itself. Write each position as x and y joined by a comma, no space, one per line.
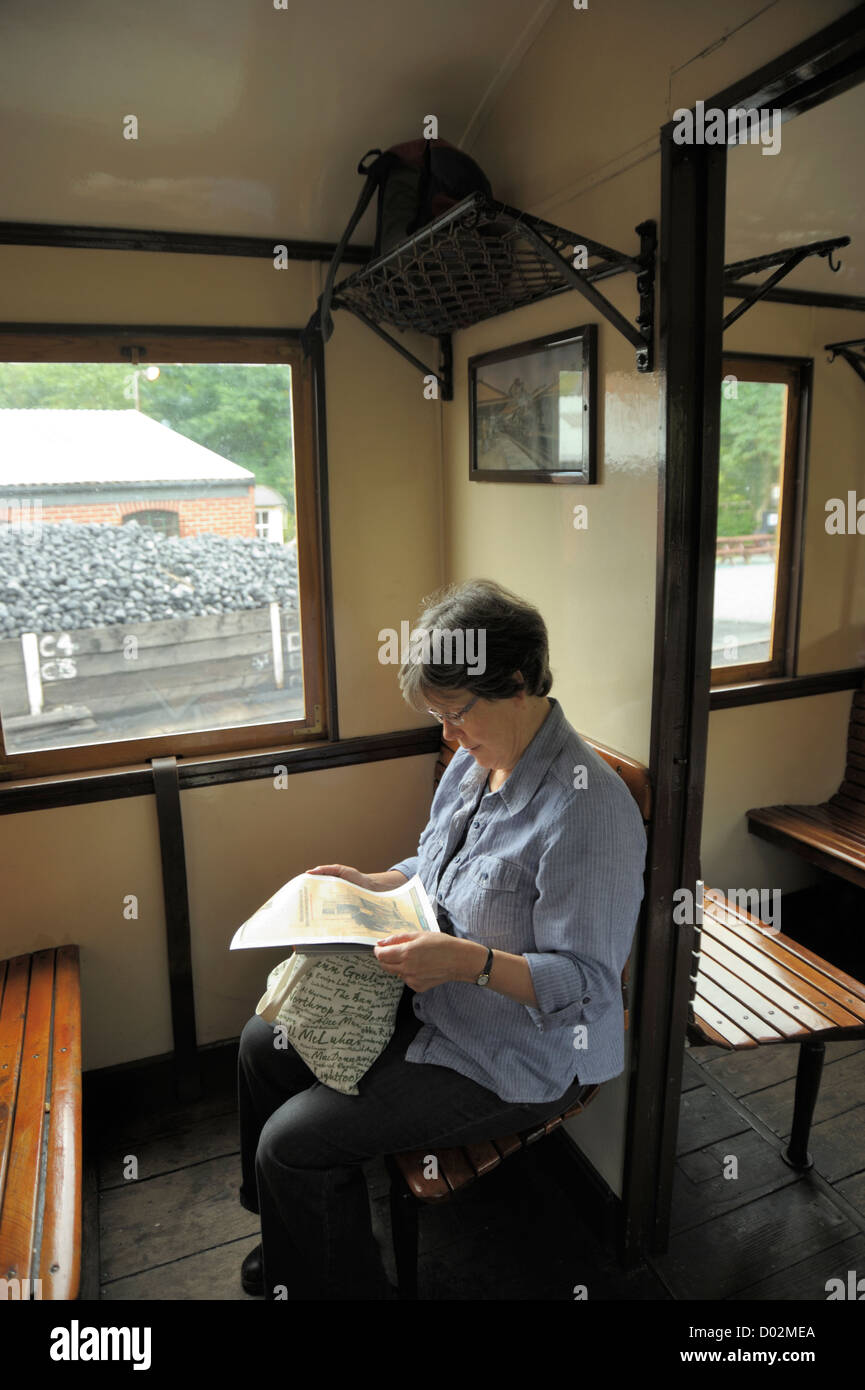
484,977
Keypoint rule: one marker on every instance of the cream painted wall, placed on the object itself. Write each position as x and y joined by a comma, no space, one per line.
764,755
66,871
576,142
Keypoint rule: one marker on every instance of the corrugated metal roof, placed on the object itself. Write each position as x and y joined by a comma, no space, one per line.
60,447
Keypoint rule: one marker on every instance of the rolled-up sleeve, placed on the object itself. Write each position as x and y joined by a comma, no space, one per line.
590,885
406,866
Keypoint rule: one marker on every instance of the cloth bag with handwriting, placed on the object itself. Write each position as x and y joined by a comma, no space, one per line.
337,1011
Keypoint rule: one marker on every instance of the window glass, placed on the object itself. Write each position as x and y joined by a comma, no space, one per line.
138,595
750,487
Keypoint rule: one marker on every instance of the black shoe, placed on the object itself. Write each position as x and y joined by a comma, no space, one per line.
252,1274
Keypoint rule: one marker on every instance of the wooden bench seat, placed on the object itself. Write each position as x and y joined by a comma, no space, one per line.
831,834
40,1124
754,987
413,1179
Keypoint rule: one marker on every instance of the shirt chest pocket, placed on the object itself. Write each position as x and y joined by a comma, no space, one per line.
499,908
429,853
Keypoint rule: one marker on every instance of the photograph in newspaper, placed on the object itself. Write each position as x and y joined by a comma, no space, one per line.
319,912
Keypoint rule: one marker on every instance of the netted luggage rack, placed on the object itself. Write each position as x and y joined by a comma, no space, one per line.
483,258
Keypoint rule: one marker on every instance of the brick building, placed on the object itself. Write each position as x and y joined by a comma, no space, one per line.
111,466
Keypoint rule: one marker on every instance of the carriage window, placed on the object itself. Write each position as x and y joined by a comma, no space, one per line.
148,603
756,554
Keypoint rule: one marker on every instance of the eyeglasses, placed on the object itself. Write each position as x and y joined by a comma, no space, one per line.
457,718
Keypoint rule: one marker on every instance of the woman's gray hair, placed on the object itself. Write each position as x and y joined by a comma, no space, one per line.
508,631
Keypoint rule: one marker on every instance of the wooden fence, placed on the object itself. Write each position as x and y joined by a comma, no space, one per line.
129,668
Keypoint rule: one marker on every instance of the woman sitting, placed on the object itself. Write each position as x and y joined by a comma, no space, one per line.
533,858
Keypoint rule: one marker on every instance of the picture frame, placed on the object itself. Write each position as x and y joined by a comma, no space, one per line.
532,410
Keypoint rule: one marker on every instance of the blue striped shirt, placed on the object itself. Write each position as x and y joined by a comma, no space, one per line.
551,869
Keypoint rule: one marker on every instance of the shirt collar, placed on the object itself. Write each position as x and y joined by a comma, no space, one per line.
532,767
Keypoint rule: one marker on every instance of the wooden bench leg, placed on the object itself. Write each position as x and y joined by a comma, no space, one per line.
403,1221
808,1074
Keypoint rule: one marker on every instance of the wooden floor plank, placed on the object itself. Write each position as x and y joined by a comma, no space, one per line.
842,1088
701,1188
208,1274
806,1280
705,1118
838,1145
727,1253
154,1222
211,1137
756,1070
853,1191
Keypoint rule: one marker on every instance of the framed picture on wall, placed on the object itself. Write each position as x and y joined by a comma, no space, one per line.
532,413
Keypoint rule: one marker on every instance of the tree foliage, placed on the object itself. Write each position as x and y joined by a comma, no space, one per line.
752,426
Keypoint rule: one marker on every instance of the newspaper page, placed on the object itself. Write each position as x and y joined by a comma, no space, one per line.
319,912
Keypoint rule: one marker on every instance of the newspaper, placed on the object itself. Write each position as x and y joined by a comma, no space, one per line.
319,912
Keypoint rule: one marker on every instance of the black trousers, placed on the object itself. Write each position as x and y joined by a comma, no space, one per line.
303,1146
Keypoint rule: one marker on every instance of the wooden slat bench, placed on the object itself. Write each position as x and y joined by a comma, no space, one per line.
40,1125
753,987
832,834
458,1168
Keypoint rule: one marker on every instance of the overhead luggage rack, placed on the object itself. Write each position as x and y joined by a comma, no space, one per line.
483,258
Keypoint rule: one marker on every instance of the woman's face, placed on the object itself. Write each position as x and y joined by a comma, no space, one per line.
491,730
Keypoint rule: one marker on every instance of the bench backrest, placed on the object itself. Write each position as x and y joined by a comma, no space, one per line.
850,796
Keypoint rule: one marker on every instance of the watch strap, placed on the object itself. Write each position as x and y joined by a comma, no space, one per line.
484,977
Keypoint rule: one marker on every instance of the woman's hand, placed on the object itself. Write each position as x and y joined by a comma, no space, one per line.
373,882
426,959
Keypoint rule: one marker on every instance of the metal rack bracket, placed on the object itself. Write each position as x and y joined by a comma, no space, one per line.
786,261
853,351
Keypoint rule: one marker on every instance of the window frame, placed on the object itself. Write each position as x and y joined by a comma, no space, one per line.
161,343
797,374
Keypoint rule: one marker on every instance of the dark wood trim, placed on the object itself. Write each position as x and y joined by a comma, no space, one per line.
821,67
319,410
185,243
312,519
692,263
800,504
175,891
73,789
693,189
88,1288
77,342
786,688
698,199
813,299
